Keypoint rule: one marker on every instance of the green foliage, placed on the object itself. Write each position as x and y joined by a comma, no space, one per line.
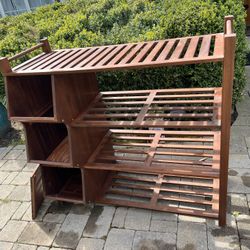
81,23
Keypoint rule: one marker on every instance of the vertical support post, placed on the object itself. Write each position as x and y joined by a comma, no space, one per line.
46,46
227,90
5,65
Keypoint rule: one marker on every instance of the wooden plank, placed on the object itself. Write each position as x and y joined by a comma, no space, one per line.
132,53
227,89
178,50
37,196
192,47
153,54
205,46
143,53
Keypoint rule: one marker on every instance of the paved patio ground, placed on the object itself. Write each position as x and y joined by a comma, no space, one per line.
66,226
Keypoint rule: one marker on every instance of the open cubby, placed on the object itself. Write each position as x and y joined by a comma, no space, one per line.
48,143
30,97
63,184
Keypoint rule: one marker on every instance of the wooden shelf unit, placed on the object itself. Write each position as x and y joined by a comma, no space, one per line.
157,149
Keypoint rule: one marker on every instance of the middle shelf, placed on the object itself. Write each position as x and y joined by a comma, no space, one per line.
195,107
189,153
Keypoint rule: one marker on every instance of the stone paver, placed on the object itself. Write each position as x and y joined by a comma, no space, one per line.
12,230
38,233
121,239
4,151
119,217
57,218
3,176
6,245
5,190
23,247
239,161
30,167
223,238
10,178
138,219
13,165
90,244
237,203
163,226
191,236
2,162
20,211
13,154
20,193
71,230
154,241
7,209
99,222
245,244
158,215
23,178
243,223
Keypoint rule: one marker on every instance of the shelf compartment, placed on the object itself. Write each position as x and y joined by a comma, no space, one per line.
178,194
197,107
189,153
64,184
48,143
30,98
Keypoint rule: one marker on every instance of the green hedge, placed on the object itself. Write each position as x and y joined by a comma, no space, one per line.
80,23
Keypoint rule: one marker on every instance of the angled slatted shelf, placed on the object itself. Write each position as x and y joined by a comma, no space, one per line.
188,50
169,193
200,107
184,153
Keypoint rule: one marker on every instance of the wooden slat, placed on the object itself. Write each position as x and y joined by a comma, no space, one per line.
143,53
178,50
151,56
205,46
192,47
131,53
110,56
165,51
91,57
80,58
71,58
100,57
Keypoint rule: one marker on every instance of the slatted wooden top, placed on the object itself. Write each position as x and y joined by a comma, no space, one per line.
187,50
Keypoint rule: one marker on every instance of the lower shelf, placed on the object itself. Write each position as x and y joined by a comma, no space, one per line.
183,195
184,153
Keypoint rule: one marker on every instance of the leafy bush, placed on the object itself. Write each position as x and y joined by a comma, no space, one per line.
80,23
